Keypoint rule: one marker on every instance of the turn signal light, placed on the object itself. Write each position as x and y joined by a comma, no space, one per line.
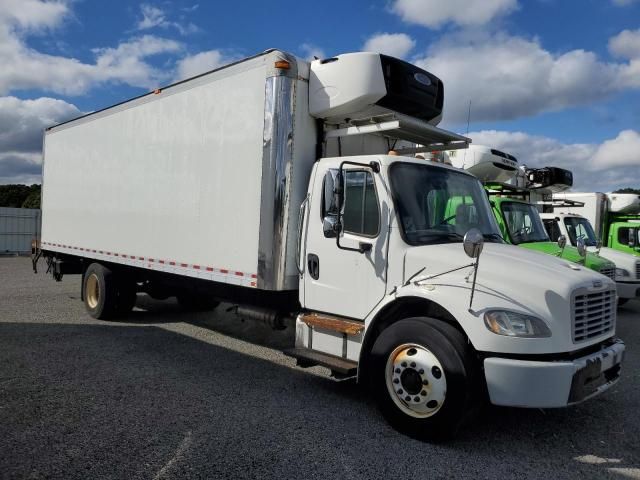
283,64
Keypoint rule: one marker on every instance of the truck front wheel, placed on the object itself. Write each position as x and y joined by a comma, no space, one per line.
100,292
423,377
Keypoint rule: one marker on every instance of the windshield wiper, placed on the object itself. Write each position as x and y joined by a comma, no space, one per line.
496,236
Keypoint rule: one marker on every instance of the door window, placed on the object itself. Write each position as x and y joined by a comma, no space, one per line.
361,215
552,229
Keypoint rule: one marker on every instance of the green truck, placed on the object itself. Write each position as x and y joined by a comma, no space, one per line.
520,224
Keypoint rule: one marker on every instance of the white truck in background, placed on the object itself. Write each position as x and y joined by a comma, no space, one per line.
608,224
267,183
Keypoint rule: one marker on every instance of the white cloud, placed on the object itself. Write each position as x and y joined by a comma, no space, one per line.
626,44
395,44
623,3
436,13
622,151
596,167
153,17
25,68
17,167
507,77
310,51
193,65
32,14
22,123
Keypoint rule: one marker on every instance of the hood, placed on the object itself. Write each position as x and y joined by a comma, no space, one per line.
502,265
592,261
621,259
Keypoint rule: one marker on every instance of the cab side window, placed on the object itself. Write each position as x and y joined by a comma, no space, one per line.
361,215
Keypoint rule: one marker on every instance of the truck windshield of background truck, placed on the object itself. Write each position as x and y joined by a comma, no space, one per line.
438,205
580,228
523,223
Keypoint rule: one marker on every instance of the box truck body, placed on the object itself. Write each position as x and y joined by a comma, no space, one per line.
289,189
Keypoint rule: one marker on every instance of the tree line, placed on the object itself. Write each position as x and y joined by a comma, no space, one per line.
20,196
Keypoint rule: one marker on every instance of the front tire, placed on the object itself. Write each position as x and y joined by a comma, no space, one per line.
622,301
424,378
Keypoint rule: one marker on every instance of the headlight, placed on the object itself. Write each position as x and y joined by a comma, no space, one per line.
512,324
621,272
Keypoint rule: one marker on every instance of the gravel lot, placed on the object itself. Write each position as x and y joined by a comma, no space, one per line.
166,394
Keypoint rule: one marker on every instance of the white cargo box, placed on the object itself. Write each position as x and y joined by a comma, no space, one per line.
203,178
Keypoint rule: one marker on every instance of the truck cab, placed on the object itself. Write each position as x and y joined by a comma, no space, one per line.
520,224
574,227
387,284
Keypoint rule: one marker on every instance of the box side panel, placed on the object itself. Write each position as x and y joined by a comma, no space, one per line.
174,179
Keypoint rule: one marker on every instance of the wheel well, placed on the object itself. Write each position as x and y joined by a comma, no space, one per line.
404,307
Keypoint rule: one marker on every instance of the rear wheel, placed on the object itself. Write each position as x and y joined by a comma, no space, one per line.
100,293
424,378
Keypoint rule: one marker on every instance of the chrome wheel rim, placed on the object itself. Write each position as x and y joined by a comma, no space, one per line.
92,291
415,380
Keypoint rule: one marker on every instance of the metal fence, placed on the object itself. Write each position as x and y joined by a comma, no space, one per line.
18,226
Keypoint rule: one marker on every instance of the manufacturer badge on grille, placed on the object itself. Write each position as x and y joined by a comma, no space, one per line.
597,284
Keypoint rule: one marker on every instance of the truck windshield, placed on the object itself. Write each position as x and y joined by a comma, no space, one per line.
438,205
580,228
523,223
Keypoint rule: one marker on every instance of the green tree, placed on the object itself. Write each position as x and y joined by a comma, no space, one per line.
15,195
628,190
33,200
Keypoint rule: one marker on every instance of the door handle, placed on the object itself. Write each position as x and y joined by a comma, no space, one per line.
313,265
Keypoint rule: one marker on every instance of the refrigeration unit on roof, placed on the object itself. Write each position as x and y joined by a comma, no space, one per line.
488,164
358,86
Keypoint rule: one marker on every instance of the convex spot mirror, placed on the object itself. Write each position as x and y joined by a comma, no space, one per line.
473,243
582,247
562,241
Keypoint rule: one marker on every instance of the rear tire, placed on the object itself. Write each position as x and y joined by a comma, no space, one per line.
100,291
424,378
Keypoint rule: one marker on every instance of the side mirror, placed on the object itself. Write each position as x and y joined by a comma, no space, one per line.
633,234
582,247
330,226
473,243
599,244
562,242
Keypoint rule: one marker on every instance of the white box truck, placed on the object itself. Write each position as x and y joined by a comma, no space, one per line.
608,224
268,183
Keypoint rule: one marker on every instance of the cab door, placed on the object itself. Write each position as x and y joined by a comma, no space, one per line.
345,282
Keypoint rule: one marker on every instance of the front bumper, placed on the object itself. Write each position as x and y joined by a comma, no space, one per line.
549,384
628,290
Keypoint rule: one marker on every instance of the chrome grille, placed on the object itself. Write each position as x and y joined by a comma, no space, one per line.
609,271
593,314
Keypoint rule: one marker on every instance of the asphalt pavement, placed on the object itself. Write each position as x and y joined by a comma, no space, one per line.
168,395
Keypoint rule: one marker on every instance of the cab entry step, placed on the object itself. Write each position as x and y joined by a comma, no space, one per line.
310,358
